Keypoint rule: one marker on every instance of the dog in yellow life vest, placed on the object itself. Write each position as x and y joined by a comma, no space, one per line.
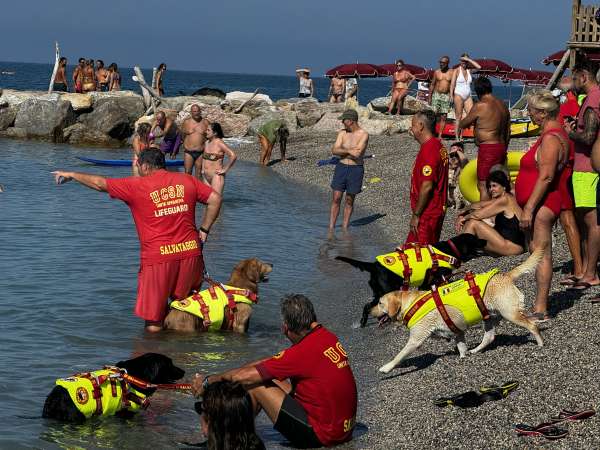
225,306
119,390
450,309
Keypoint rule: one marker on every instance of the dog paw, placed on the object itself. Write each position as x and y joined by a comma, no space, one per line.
386,369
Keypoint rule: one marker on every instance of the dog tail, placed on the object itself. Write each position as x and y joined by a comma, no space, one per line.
362,265
528,265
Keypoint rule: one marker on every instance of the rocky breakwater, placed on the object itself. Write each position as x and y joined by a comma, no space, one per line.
109,119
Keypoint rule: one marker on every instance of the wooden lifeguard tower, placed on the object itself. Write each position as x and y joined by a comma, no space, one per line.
585,36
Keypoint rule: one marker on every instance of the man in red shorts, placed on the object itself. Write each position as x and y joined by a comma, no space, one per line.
491,118
429,182
318,406
163,206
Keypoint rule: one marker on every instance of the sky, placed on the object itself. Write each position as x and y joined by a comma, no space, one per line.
277,36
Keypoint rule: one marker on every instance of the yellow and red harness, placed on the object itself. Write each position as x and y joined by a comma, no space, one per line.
453,294
414,261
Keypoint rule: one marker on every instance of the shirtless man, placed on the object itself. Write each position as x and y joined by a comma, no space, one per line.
350,146
213,172
337,89
439,92
60,80
78,75
165,128
401,80
101,76
194,139
492,131
89,77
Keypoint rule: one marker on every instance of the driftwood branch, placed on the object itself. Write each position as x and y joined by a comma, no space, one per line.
55,70
151,97
239,109
560,69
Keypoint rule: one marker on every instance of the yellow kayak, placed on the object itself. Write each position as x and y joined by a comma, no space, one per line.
523,129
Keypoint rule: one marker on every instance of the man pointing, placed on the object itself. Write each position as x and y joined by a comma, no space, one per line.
163,206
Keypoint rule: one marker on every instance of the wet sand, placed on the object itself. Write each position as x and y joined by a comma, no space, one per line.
397,408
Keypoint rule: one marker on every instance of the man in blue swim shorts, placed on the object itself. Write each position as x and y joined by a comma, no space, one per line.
350,147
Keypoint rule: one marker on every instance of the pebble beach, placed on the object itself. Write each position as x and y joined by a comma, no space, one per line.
397,410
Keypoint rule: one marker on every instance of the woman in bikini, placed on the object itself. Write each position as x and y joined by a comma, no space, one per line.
505,237
460,89
158,86
89,77
114,78
401,80
215,150
141,141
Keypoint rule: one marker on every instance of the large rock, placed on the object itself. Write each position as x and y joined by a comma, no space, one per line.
13,97
130,102
411,104
7,117
234,125
309,113
243,96
181,102
329,122
375,127
78,101
80,134
400,125
109,118
209,92
288,117
14,133
44,119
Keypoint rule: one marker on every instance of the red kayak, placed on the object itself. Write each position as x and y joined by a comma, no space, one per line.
450,130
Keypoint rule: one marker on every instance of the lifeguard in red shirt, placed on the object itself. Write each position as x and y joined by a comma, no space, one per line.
429,182
317,407
163,205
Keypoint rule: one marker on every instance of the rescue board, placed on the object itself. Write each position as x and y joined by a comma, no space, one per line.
125,162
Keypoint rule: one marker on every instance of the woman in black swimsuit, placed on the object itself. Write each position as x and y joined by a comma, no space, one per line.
505,237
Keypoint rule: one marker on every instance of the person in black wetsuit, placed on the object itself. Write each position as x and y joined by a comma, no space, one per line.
505,237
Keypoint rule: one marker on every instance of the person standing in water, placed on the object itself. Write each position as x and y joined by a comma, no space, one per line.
215,150
60,80
141,141
193,130
166,129
158,82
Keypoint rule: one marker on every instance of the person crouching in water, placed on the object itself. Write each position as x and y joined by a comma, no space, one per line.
215,150
271,132
227,417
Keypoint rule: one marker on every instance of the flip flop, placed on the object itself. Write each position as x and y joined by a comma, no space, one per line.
580,286
569,281
469,399
503,390
547,430
570,416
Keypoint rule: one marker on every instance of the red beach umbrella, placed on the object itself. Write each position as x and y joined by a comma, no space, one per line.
420,73
493,66
528,76
358,70
554,58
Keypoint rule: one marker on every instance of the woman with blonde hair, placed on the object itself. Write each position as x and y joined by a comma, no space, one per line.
539,186
460,89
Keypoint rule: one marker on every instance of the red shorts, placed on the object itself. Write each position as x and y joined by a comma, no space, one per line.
159,282
488,156
428,231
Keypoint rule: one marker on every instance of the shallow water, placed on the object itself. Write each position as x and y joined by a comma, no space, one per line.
69,259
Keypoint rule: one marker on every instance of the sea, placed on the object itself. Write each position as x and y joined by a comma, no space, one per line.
28,76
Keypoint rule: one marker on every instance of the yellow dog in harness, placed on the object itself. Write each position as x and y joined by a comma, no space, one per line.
209,304
465,295
413,262
102,393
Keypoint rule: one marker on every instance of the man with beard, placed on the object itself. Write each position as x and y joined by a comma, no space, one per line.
193,130
439,92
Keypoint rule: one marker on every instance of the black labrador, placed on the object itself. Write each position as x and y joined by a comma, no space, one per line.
464,247
151,367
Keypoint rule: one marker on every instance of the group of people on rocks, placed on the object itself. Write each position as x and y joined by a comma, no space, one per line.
341,90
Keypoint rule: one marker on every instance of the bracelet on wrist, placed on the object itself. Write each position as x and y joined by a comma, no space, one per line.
204,230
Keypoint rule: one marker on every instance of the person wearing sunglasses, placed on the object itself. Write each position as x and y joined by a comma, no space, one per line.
439,91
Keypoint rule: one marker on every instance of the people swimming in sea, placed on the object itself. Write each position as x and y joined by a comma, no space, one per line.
193,130
215,150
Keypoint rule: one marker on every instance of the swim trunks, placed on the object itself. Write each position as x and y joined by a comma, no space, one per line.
584,189
292,423
428,230
104,87
348,178
195,154
170,144
159,282
60,87
488,156
440,103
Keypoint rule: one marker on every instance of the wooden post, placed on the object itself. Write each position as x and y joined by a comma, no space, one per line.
560,69
57,58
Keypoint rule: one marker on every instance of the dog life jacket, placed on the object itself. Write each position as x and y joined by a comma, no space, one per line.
209,304
465,295
412,262
102,393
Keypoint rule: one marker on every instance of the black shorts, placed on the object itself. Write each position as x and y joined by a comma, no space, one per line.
292,423
195,154
347,178
59,87
301,95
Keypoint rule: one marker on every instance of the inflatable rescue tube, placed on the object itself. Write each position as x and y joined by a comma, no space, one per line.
467,181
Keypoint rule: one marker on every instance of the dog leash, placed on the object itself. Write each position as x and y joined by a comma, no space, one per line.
138,382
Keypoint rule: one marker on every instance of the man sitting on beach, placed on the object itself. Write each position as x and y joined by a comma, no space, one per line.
429,182
337,89
166,129
193,130
350,146
317,406
163,205
439,92
491,118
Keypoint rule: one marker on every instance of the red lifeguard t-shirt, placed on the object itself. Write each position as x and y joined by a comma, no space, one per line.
431,164
163,206
569,108
323,383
